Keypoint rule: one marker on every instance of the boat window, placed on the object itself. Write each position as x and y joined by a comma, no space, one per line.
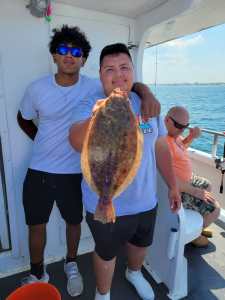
5,241
189,71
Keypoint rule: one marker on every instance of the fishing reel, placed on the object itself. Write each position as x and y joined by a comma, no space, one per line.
220,165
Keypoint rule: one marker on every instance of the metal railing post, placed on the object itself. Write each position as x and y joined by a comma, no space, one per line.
214,145
216,135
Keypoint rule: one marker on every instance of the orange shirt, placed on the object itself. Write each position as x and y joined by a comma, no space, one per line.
181,161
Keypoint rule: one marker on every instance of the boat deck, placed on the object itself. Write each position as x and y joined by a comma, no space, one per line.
206,271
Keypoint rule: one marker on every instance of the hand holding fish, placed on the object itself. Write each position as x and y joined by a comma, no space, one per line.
101,102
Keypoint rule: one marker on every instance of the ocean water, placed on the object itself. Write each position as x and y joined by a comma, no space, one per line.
206,105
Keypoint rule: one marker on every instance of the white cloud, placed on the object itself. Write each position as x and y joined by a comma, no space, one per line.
170,66
174,58
185,42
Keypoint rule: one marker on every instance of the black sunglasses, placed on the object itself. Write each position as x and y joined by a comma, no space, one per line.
178,125
64,50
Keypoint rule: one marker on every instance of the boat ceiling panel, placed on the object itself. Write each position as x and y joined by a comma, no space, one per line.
126,8
207,14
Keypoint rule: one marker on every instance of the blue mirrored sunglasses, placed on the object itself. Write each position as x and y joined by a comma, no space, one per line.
64,50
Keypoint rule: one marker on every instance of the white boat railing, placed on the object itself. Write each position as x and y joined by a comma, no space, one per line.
216,135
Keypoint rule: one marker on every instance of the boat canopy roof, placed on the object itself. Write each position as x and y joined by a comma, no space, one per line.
160,20
125,8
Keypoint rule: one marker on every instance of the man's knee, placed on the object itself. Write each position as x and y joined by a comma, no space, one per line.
216,212
39,230
73,227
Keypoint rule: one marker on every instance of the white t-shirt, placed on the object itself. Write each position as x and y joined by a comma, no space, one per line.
140,195
54,106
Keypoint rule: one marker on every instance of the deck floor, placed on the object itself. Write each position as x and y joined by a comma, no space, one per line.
206,271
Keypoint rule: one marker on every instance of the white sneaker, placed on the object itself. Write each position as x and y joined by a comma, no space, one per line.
32,278
75,282
141,285
98,296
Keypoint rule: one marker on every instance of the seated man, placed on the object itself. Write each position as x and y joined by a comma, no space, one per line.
195,190
135,208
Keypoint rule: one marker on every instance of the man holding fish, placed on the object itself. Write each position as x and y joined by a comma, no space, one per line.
132,187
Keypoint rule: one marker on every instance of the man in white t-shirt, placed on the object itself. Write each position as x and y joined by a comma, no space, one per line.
54,171
135,208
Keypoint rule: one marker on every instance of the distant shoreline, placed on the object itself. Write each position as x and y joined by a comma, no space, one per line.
186,83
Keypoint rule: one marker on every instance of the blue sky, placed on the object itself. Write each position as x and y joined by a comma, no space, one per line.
199,57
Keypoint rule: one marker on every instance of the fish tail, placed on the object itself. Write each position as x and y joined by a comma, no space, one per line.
105,212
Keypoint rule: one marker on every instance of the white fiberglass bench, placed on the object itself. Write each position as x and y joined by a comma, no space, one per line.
165,259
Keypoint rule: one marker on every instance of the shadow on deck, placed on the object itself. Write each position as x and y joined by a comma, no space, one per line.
206,275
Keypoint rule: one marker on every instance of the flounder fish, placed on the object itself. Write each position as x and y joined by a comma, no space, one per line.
111,153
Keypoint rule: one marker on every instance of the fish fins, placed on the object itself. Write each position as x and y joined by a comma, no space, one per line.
105,213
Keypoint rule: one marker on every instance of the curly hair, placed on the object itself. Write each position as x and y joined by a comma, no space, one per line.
69,35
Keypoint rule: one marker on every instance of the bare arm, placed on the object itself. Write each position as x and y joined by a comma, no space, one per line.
27,126
77,134
164,163
186,187
150,106
193,134
202,194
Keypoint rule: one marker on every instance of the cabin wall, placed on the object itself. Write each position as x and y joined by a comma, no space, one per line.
24,57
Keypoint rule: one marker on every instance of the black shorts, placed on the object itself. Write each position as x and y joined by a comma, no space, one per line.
136,229
41,189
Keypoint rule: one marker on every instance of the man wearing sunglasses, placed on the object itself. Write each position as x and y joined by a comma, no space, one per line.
195,190
54,172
